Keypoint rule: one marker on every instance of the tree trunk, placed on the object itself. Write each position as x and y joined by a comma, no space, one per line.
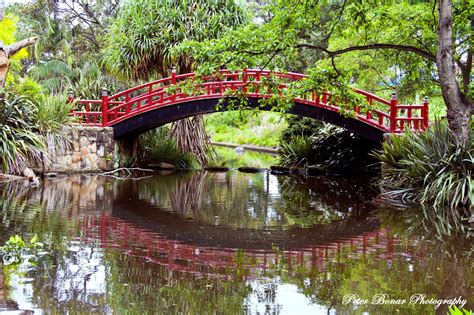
190,133
459,107
4,66
6,52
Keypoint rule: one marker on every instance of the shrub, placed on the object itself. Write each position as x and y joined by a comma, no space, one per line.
19,137
53,112
332,149
430,167
296,152
156,146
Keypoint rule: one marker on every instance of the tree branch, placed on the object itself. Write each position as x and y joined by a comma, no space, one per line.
15,47
416,50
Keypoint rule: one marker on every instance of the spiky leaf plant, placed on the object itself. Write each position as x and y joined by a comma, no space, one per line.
297,151
19,141
156,146
430,167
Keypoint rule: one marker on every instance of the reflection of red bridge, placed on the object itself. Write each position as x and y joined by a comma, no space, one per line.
156,103
113,232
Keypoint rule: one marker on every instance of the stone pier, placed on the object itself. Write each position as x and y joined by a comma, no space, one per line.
89,149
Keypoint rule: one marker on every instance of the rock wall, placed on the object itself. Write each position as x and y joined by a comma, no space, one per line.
89,149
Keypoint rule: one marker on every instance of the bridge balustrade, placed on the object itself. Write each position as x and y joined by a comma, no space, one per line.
388,116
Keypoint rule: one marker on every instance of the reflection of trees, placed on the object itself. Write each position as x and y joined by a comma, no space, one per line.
243,200
321,200
151,286
410,258
231,198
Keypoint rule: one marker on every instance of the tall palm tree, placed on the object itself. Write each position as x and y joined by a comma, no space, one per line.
139,46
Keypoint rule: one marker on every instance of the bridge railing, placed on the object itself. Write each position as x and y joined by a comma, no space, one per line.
388,116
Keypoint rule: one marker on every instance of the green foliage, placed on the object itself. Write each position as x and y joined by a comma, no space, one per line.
141,38
54,75
16,248
340,151
53,112
303,126
340,38
156,147
297,151
429,167
28,88
87,81
245,127
19,141
30,123
454,310
331,149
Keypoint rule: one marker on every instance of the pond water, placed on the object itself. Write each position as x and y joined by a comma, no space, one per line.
226,243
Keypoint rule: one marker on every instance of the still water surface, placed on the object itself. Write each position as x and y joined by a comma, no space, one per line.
225,243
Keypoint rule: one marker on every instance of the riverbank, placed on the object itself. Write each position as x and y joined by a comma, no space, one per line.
270,150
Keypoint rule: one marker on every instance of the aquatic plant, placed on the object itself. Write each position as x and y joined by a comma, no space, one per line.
431,167
15,248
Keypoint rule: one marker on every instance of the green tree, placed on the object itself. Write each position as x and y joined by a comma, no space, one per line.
9,47
141,38
419,41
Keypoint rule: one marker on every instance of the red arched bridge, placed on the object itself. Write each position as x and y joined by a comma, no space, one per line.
153,104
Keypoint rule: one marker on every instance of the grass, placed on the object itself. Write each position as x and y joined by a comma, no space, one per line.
229,158
246,127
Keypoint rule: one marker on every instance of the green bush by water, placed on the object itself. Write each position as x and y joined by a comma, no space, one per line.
430,167
157,147
297,151
331,149
30,124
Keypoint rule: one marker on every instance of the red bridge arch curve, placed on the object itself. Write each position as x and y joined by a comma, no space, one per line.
156,103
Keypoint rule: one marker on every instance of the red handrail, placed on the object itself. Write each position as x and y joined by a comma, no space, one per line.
388,116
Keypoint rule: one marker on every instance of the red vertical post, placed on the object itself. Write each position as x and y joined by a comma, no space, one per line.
368,115
393,112
425,113
173,81
105,106
409,122
150,91
88,109
325,98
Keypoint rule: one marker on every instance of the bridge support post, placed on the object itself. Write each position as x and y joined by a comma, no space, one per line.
425,113
393,112
173,81
105,105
